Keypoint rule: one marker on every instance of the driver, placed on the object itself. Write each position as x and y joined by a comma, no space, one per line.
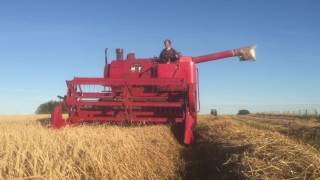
168,55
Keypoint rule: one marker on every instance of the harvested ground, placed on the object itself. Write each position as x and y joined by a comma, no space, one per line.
227,147
306,130
254,153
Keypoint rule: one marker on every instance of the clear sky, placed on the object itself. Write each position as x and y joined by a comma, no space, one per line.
43,43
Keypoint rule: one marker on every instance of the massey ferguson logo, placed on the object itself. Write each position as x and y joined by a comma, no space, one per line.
136,68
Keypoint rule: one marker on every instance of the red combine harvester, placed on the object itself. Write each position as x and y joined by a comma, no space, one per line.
141,90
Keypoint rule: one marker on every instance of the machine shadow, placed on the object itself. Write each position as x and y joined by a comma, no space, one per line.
176,128
213,160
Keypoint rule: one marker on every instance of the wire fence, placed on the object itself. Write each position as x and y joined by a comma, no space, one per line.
289,109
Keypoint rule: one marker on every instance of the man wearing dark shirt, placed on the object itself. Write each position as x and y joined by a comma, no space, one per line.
168,54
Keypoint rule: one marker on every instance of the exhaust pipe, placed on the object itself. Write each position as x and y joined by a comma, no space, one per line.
119,53
106,55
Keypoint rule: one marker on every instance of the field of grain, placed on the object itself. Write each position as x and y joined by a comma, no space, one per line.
28,148
227,147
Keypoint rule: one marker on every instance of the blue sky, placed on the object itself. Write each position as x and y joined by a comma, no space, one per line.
44,43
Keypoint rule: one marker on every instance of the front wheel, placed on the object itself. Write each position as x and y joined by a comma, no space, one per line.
56,117
189,129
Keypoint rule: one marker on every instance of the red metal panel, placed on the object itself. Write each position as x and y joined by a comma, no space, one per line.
136,104
112,113
167,70
134,81
148,119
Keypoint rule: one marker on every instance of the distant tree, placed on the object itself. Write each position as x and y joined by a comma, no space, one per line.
243,112
213,112
48,107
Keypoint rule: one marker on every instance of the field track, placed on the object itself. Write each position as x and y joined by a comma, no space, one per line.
227,147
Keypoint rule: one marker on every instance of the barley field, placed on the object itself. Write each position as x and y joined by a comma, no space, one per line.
227,147
29,149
